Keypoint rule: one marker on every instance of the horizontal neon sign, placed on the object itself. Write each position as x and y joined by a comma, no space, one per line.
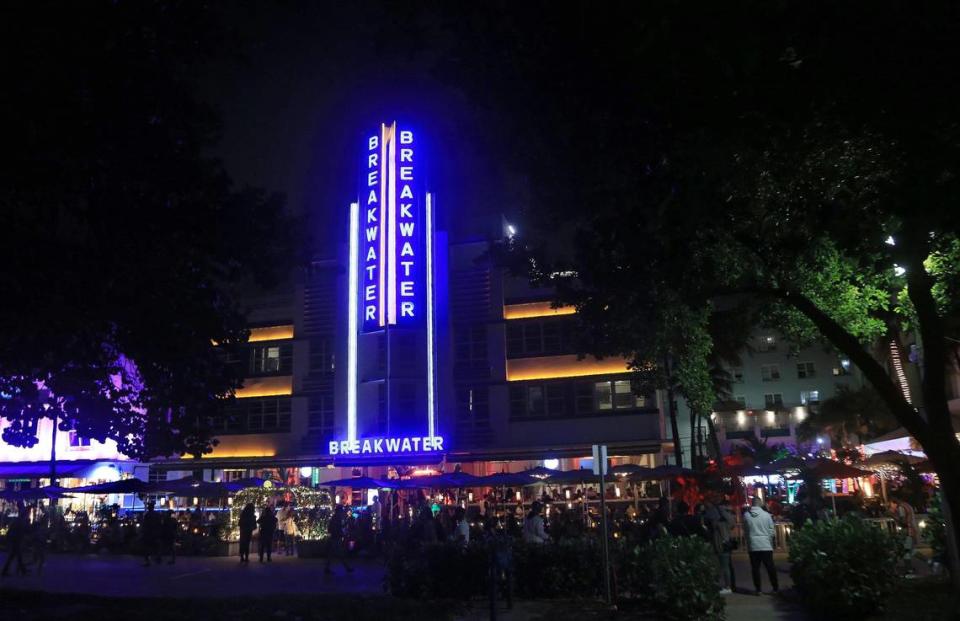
387,446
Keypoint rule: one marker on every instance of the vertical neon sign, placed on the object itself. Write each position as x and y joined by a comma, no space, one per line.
393,270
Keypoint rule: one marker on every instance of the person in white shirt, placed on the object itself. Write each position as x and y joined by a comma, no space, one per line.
461,532
533,531
761,533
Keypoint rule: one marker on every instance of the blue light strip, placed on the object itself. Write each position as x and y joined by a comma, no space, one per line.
431,417
352,329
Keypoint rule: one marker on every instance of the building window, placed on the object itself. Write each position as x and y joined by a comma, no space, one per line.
767,344
271,359
233,475
544,337
156,476
770,372
321,411
556,399
843,368
470,344
810,397
742,401
805,370
736,374
77,441
255,415
536,404
773,401
616,395
473,408
321,356
583,397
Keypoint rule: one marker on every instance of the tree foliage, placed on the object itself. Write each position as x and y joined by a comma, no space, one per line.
124,243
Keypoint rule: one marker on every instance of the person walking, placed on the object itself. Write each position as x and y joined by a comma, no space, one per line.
761,534
720,519
336,535
533,530
247,524
268,527
168,536
16,533
150,535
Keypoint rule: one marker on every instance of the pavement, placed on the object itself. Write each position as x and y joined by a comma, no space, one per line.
193,577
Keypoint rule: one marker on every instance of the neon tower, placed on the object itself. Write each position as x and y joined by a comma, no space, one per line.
391,318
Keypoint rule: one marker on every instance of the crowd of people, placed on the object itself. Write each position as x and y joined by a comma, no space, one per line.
411,518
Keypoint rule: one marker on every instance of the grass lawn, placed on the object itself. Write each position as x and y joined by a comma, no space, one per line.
36,606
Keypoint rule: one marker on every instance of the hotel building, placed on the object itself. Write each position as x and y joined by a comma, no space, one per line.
410,347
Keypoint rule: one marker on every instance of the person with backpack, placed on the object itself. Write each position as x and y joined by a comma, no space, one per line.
721,519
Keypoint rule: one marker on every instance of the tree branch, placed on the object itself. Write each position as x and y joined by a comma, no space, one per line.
905,413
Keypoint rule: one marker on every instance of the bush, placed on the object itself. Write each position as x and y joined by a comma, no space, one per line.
844,568
935,534
677,577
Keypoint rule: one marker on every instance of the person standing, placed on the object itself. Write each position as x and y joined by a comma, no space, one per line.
268,528
461,528
336,535
150,535
16,533
168,536
246,524
721,519
533,530
290,533
761,534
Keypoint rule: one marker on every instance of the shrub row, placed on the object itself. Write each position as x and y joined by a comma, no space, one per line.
676,578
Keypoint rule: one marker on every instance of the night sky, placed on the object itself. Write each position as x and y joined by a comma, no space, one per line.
306,83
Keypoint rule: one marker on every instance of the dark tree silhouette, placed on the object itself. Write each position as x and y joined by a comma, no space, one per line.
124,243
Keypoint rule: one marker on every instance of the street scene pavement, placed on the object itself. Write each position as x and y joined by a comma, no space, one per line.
225,577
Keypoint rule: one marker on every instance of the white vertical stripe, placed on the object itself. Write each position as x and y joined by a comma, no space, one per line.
352,330
431,417
383,245
392,227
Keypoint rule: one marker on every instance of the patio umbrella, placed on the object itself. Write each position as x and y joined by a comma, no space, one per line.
123,486
50,492
661,473
459,479
625,469
830,469
893,458
358,483
540,472
503,479
190,487
581,475
925,467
